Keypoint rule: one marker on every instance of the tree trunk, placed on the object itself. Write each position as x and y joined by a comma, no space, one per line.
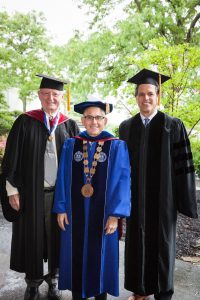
24,105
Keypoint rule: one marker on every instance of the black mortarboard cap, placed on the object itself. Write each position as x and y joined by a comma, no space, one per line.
49,82
80,107
148,77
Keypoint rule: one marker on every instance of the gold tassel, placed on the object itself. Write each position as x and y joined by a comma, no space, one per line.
68,97
159,95
107,108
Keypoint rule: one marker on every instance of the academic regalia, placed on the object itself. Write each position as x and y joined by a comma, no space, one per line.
163,183
89,258
23,167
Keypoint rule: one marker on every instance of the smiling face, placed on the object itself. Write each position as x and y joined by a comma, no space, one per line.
146,98
94,126
50,99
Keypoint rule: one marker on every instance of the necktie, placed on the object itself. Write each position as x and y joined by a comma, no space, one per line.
146,121
50,164
51,122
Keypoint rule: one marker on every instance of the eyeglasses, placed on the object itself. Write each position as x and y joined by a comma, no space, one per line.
92,118
50,94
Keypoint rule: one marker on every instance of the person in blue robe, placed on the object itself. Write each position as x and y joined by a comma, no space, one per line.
92,194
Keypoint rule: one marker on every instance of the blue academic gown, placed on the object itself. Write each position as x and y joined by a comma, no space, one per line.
89,259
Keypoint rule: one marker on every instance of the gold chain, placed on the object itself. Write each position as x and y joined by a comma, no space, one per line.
89,172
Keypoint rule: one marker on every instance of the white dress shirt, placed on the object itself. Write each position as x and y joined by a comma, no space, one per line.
149,117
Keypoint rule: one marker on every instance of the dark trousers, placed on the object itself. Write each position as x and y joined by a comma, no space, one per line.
77,296
164,296
52,276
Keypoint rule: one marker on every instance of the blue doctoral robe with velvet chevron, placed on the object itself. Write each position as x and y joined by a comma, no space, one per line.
89,259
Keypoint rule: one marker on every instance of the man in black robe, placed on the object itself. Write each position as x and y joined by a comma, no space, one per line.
28,177
163,183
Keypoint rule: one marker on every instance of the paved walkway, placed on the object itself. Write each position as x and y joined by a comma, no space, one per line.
12,285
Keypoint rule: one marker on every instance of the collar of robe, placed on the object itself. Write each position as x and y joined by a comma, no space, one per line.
104,135
38,114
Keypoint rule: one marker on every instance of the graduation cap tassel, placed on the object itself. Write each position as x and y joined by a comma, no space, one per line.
159,95
146,76
107,108
68,97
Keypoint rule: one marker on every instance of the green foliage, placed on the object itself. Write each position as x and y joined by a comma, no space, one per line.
6,121
195,145
6,118
99,9
3,104
180,96
177,21
108,51
115,131
82,62
160,35
23,52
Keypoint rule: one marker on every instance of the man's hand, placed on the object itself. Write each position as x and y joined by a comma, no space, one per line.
111,225
14,202
62,220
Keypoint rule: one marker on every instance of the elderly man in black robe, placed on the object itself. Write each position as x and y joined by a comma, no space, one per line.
163,183
28,177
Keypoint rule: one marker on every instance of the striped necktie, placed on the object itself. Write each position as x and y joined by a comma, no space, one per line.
51,122
146,121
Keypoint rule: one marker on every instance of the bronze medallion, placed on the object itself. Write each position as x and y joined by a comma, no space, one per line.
87,190
50,138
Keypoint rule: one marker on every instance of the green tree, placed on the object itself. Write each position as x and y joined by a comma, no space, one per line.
181,62
81,60
6,118
176,21
162,35
24,49
195,143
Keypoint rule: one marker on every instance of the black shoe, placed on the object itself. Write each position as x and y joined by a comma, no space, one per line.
54,293
31,293
101,297
77,296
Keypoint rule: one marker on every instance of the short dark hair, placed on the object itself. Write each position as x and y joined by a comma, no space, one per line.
156,87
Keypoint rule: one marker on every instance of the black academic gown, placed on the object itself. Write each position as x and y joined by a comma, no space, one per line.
23,167
163,183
